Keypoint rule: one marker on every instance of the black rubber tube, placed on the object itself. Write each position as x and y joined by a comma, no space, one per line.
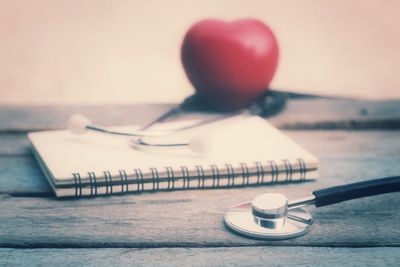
341,193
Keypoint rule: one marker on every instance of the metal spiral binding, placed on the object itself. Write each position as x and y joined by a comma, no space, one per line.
109,183
200,175
210,179
78,184
230,174
215,175
155,178
124,180
274,171
288,170
170,178
93,183
260,172
185,177
245,173
303,169
139,179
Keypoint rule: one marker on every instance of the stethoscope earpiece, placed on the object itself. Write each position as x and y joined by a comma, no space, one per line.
200,145
77,124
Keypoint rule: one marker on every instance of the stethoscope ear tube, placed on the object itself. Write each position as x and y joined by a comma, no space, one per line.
341,193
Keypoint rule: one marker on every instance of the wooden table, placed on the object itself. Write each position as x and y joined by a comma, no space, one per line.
355,140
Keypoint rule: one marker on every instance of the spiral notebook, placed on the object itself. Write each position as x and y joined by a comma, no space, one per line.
245,151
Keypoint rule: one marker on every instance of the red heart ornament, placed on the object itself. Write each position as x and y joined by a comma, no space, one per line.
230,64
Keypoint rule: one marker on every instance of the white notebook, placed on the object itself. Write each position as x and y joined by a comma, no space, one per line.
244,151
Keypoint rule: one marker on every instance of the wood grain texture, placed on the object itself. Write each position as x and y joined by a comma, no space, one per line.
184,219
34,118
314,113
21,174
249,256
300,113
14,144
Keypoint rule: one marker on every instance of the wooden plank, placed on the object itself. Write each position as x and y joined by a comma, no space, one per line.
358,154
314,111
185,219
303,113
250,256
14,144
35,118
22,174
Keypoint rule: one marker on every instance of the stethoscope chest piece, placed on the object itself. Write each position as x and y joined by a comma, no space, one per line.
268,217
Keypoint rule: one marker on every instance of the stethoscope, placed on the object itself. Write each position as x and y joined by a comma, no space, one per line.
271,216
268,104
79,124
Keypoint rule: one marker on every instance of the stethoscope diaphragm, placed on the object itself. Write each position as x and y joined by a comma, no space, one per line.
242,220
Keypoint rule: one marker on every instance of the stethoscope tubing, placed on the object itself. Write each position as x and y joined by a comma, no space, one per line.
336,194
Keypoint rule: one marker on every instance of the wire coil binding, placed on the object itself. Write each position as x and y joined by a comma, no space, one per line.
186,177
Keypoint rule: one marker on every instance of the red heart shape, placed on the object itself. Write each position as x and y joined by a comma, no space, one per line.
230,64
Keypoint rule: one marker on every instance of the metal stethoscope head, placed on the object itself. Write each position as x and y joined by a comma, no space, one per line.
272,216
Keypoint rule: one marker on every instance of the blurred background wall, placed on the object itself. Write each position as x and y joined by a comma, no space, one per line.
98,51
